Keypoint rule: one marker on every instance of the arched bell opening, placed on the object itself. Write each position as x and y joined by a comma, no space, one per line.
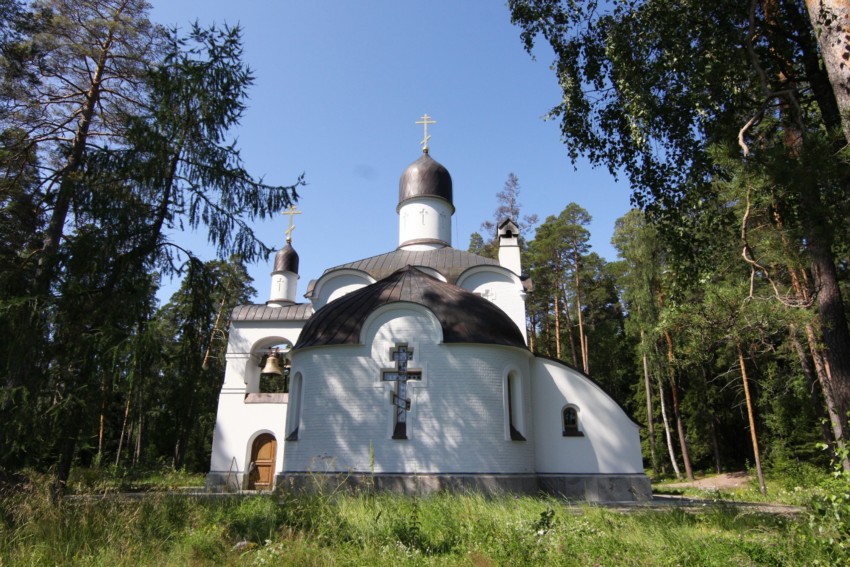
274,364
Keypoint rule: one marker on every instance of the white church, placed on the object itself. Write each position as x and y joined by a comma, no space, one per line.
410,371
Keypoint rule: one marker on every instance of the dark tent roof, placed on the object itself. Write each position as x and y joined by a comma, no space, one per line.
464,316
450,262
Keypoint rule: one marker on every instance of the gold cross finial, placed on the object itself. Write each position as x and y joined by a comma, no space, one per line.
425,121
291,211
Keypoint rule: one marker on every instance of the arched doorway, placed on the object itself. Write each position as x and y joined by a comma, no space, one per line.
263,453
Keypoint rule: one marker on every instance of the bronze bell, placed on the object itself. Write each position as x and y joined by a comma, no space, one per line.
272,366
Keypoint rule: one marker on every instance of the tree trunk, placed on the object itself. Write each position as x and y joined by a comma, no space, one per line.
834,334
836,339
817,232
668,434
680,429
137,449
752,420
582,339
715,446
123,427
205,363
650,422
67,185
570,335
814,385
67,447
802,289
831,22
105,393
680,424
557,325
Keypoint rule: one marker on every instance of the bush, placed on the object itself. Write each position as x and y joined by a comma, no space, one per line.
829,515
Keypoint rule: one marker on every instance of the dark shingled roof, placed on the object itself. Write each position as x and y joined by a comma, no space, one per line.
449,262
286,260
425,178
464,316
254,312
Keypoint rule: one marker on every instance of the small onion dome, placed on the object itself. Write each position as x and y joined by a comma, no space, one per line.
286,260
463,316
425,178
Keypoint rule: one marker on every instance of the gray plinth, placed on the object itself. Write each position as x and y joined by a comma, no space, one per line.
589,488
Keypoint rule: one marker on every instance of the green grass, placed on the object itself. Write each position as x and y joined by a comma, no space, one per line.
792,485
365,529
117,479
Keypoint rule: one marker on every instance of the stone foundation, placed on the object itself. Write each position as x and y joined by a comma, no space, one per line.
224,482
589,488
597,487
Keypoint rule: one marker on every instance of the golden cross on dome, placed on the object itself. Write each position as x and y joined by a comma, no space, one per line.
291,211
425,121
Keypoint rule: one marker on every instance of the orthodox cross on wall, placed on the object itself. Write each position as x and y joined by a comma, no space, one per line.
401,354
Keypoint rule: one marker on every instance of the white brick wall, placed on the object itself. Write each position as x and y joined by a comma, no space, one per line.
456,422
237,423
611,441
338,283
501,287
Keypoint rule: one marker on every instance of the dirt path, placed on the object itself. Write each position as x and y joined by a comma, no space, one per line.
720,482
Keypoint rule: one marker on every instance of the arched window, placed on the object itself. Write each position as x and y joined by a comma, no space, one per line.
293,417
516,421
569,422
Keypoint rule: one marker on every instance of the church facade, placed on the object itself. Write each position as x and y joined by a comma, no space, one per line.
410,371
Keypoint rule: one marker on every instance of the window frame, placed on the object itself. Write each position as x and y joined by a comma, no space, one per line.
574,430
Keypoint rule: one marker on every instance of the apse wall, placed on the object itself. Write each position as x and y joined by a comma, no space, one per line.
609,442
457,418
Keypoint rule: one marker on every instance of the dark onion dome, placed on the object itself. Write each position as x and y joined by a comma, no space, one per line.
425,178
286,260
464,316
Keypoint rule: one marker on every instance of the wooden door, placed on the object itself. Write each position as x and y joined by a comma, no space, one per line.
263,454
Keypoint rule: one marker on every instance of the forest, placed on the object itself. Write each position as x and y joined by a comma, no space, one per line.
721,328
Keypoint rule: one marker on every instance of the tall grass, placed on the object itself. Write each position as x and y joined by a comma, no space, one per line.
330,528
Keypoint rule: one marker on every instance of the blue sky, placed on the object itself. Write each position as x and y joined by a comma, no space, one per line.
339,87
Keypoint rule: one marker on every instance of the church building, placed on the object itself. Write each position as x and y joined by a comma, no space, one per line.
410,371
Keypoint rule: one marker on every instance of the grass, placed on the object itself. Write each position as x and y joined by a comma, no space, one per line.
791,485
330,528
117,479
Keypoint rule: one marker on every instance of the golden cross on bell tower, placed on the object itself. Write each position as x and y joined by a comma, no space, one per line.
425,121
291,211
